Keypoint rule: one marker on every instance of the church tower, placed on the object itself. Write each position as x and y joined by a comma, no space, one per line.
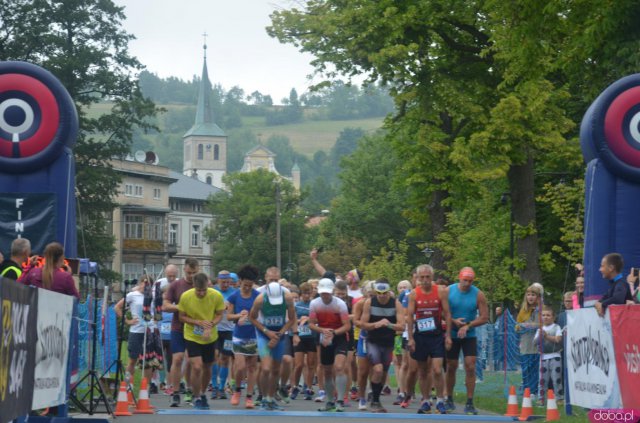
205,144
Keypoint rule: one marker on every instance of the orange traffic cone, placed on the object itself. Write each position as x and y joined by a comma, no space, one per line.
552,407
144,406
122,406
527,407
512,403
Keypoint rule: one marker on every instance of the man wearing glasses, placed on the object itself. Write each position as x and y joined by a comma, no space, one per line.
469,310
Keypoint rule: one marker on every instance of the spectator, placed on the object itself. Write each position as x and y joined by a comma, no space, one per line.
632,280
527,324
618,292
551,334
567,304
578,296
11,268
51,276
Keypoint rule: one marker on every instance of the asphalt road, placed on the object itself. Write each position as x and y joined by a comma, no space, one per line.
222,411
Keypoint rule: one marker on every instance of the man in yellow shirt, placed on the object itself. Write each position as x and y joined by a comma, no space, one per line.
201,309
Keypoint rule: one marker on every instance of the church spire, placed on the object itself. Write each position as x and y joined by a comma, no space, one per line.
204,110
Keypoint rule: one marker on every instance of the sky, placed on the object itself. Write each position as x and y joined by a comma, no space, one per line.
169,40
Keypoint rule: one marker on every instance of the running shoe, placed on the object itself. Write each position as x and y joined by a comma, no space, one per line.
470,409
188,397
198,405
376,407
308,395
169,391
222,394
284,395
175,400
362,404
294,393
273,406
248,403
354,393
235,398
183,388
449,405
386,390
440,408
406,402
322,396
399,399
425,408
328,408
340,406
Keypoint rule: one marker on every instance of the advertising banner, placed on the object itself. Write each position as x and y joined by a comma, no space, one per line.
625,321
17,355
591,363
54,325
29,215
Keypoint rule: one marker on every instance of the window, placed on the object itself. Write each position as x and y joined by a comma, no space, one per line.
155,228
173,234
195,235
196,207
133,226
138,191
216,152
156,193
209,181
132,270
128,190
200,152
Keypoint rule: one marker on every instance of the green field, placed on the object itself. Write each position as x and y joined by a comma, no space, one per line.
306,137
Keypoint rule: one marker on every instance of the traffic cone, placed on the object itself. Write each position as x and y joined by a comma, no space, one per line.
122,406
527,407
144,406
552,407
512,403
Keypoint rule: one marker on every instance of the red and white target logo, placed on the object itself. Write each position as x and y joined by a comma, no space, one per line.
622,126
37,117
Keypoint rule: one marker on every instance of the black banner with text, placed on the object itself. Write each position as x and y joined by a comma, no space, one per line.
18,336
31,216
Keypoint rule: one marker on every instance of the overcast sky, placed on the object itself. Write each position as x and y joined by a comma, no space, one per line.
169,42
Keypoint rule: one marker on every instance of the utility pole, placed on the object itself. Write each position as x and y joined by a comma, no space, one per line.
278,255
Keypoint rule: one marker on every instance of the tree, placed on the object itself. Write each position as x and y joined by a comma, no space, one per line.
245,219
82,43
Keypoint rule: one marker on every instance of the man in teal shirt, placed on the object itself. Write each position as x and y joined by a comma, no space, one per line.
469,310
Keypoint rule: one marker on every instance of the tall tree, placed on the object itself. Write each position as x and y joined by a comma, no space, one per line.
245,219
82,42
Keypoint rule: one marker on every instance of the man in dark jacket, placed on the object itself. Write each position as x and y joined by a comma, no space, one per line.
618,292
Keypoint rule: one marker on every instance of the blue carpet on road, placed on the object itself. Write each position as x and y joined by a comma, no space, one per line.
334,415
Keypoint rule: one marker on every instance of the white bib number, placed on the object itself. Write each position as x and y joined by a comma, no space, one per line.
426,325
165,328
304,330
274,321
228,345
198,330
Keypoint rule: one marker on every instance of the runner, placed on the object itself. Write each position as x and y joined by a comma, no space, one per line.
361,347
304,345
245,346
200,310
382,316
178,346
399,348
329,317
428,305
340,290
469,310
224,344
272,315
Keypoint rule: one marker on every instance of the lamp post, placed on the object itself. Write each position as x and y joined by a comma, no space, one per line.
428,253
506,197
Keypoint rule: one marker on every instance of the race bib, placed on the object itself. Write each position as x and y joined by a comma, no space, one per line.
198,330
426,325
165,328
304,330
274,321
228,345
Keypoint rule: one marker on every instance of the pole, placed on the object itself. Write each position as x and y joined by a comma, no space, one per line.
278,253
511,240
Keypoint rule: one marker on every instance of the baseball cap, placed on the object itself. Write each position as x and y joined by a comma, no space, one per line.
325,286
234,276
274,292
381,287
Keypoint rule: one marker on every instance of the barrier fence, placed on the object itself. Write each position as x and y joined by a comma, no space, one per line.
40,363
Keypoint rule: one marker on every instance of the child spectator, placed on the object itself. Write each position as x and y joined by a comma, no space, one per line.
551,359
527,323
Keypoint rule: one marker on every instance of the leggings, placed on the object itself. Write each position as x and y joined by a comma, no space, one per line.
552,376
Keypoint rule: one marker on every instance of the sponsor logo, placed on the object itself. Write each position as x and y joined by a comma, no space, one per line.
614,416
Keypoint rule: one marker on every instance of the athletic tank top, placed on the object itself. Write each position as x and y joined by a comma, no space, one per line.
379,311
463,304
428,313
273,316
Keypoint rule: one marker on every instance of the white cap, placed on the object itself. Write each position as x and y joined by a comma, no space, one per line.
325,286
275,293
